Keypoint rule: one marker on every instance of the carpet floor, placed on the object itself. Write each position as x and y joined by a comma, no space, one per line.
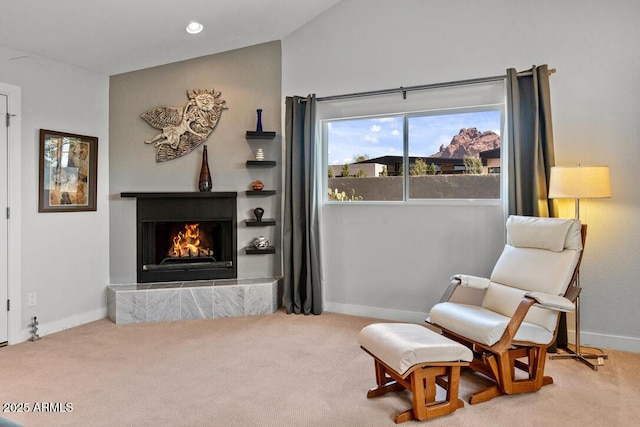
272,370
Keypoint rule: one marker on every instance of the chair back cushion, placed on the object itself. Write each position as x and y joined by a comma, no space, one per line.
535,270
541,255
554,234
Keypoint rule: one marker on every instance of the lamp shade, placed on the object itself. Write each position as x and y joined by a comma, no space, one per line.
579,182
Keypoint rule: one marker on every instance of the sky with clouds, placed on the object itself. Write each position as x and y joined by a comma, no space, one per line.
376,137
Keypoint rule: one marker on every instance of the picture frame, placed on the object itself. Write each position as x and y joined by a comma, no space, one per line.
68,170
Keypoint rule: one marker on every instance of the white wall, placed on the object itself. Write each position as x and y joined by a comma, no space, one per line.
64,256
385,269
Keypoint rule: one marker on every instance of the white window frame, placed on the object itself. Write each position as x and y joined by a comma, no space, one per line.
406,200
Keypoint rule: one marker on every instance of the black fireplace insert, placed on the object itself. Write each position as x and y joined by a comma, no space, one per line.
185,236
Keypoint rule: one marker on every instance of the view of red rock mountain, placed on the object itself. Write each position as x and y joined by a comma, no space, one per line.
469,141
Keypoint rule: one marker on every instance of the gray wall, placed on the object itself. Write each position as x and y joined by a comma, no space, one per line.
248,78
381,260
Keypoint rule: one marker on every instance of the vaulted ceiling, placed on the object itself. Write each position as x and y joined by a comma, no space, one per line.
116,36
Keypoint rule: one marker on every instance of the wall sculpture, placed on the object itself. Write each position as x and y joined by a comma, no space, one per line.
182,130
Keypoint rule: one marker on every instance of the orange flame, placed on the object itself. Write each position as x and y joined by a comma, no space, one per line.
187,243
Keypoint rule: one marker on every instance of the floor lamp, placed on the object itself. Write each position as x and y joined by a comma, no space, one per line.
579,182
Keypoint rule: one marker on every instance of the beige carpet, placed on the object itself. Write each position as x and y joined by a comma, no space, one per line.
275,370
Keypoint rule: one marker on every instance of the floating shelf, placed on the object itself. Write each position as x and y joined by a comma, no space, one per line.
261,192
264,223
251,250
261,163
260,135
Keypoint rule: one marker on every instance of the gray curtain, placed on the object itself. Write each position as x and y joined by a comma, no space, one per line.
530,151
301,236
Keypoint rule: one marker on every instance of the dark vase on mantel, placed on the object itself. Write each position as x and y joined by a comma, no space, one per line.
205,176
259,123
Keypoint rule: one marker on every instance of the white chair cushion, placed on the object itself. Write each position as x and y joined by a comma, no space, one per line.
482,325
535,270
552,234
403,345
504,300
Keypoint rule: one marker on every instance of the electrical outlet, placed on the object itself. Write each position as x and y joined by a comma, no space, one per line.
32,299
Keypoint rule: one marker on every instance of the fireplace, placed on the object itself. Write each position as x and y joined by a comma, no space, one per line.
185,236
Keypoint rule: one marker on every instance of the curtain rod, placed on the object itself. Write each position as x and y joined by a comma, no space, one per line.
404,90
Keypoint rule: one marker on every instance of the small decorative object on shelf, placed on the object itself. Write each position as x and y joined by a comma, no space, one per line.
257,185
261,242
259,122
205,176
258,212
260,154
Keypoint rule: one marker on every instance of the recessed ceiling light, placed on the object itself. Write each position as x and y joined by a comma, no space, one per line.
194,27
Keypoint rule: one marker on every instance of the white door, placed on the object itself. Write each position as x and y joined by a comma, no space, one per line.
4,222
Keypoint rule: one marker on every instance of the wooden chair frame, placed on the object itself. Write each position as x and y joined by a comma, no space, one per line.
500,360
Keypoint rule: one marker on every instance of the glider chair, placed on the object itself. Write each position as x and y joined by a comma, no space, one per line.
532,282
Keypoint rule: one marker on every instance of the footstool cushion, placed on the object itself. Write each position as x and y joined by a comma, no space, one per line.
415,358
402,345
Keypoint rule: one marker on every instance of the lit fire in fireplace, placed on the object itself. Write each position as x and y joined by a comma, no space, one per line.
188,244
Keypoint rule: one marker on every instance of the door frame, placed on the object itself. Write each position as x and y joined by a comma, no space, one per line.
14,241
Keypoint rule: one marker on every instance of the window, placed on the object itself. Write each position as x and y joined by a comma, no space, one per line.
362,154
455,154
441,144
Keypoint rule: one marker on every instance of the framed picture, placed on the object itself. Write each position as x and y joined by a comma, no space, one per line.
68,172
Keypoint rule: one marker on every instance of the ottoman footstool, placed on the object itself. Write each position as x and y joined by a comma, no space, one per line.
410,356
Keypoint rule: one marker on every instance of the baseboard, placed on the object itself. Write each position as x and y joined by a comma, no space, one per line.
375,312
590,339
48,328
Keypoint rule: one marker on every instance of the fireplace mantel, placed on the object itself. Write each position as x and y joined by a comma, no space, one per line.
192,194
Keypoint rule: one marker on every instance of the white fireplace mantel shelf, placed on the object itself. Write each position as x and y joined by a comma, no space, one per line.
157,302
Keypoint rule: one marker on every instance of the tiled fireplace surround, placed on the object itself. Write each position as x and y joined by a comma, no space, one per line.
155,302
191,299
